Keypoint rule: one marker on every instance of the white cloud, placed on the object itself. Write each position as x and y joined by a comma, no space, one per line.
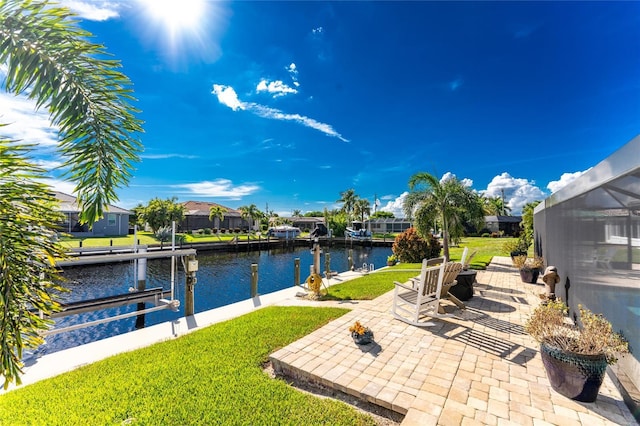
266,112
48,164
219,188
60,185
165,156
395,205
276,88
293,72
466,182
24,122
93,10
517,191
318,30
565,179
228,97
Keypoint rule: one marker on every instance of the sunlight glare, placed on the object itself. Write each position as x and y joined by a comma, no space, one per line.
186,28
175,15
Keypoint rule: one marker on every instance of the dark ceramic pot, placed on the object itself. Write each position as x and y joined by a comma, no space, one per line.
362,339
529,275
573,375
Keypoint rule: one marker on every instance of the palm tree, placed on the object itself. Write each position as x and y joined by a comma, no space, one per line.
348,199
494,206
361,208
296,213
431,200
48,58
250,213
217,212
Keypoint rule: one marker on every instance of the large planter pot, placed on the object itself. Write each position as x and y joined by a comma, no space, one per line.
529,275
575,376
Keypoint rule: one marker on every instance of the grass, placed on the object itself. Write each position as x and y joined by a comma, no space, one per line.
375,284
372,285
147,238
486,247
211,376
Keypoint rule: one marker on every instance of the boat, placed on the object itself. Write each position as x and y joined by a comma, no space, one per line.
357,232
284,231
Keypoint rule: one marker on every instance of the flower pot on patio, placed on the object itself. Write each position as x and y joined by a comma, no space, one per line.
529,275
573,375
362,339
575,356
361,334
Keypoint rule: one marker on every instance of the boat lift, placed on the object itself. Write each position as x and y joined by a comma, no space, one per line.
162,299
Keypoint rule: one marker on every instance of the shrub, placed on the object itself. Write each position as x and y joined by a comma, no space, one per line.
237,230
486,235
409,247
548,325
214,230
524,263
163,234
207,231
222,230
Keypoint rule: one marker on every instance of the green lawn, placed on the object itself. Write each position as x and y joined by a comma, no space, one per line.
372,285
147,238
486,247
210,377
375,284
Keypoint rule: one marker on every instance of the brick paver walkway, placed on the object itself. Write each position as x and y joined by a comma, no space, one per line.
479,367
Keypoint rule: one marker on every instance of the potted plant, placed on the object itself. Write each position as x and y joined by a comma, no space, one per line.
361,334
575,357
517,247
529,268
392,260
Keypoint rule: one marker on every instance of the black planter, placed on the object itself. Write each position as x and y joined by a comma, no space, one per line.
529,275
575,376
362,339
515,254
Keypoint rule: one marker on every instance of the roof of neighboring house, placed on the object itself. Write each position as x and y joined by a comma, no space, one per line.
201,208
503,219
389,220
299,219
69,204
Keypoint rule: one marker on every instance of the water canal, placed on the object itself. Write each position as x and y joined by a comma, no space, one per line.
223,278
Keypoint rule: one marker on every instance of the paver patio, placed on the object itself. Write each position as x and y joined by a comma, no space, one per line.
479,367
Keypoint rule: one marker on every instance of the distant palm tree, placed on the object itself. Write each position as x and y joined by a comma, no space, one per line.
348,199
448,202
217,212
494,206
297,213
250,213
361,208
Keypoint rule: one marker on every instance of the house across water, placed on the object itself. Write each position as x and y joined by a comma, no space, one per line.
114,223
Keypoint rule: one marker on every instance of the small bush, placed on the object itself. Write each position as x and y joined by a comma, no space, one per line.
486,235
163,234
237,230
214,230
409,247
207,231
222,230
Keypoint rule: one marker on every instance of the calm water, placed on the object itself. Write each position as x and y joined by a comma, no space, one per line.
223,278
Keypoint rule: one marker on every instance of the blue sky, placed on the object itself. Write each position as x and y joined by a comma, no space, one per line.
287,104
